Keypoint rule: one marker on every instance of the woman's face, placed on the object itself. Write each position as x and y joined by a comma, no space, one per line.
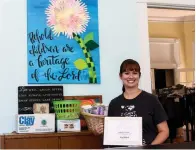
130,79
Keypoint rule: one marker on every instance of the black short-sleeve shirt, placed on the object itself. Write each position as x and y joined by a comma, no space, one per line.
145,105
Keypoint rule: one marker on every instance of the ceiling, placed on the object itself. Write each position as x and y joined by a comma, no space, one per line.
171,13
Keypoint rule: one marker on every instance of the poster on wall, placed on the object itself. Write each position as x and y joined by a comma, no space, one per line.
63,42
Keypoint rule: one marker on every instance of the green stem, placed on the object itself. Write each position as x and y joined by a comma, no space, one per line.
89,60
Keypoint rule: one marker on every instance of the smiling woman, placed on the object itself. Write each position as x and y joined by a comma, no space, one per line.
134,102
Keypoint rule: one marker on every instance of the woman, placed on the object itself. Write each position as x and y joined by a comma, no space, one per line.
137,103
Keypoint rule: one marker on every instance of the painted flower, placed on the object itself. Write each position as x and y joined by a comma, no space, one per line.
67,17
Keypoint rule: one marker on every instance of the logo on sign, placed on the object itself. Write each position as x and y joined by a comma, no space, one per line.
44,122
27,120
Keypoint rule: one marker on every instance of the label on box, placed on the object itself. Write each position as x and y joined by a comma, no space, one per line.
35,123
68,125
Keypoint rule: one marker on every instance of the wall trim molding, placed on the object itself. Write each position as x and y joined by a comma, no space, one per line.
164,40
170,5
165,19
171,19
189,18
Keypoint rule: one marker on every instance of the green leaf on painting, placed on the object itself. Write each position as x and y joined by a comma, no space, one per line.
88,37
91,45
80,64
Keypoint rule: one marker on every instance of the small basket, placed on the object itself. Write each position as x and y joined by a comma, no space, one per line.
67,109
92,121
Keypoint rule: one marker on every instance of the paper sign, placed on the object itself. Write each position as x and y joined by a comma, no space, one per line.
123,131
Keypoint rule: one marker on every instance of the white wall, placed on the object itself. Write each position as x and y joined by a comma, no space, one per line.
118,41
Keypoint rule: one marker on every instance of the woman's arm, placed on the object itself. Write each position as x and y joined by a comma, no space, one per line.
163,133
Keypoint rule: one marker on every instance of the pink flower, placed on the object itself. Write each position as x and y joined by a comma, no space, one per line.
67,17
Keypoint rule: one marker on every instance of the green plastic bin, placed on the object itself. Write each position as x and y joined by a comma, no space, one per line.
67,109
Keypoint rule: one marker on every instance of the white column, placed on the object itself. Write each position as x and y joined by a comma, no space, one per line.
144,52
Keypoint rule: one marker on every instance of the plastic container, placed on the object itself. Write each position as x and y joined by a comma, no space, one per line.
67,109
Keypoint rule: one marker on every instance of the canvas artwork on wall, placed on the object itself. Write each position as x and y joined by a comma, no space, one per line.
63,42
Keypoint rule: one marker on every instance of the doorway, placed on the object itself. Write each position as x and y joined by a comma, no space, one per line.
163,78
169,55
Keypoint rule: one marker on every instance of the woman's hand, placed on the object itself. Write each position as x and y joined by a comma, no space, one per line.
99,128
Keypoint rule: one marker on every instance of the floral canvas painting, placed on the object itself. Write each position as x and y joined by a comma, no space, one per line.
63,42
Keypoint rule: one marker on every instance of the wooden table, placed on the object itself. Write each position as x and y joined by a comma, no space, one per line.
64,140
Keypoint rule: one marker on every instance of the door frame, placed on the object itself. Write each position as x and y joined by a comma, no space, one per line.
143,37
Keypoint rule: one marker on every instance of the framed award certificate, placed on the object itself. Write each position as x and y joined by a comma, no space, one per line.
123,131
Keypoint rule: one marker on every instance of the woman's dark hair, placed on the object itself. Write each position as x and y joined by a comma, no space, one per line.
129,65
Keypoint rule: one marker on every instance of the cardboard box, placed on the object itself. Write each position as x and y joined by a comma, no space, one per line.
68,125
35,123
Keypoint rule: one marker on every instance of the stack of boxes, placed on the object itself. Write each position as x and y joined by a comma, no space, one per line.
68,113
35,111
39,111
